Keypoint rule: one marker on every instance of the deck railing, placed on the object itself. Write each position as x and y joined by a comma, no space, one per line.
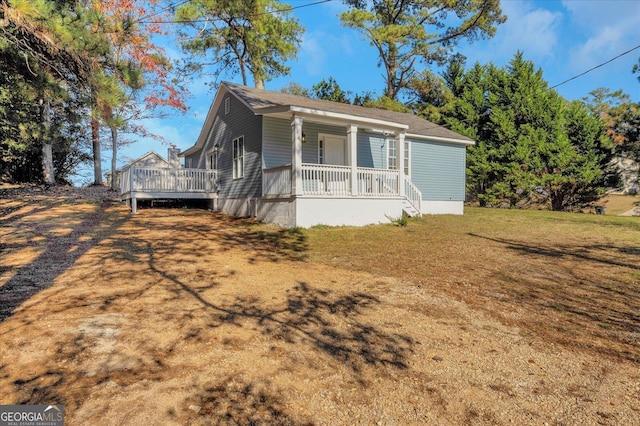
158,179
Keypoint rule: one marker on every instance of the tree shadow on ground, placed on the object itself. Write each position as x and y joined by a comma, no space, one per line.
267,242
328,321
232,401
169,278
579,294
59,251
610,255
258,240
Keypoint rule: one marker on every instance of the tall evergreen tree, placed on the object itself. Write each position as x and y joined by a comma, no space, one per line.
531,144
58,36
22,134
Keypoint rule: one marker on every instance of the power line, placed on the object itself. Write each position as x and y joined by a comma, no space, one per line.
171,6
269,12
596,67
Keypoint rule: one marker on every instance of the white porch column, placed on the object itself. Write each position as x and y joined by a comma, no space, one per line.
400,157
296,155
352,143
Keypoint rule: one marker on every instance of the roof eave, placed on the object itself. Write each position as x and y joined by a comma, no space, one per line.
332,116
441,139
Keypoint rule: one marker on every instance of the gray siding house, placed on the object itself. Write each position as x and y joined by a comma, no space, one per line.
296,161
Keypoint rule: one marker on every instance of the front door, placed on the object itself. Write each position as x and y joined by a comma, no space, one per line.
334,147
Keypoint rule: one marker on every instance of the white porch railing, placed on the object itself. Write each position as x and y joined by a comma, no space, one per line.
276,181
330,180
378,182
158,179
326,179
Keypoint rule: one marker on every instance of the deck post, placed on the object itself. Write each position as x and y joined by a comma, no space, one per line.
134,205
296,158
352,142
132,170
400,157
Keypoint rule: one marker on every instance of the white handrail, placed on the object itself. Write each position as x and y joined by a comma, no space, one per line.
413,195
167,179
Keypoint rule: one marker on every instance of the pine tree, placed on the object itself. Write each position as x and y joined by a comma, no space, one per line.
242,36
406,33
532,145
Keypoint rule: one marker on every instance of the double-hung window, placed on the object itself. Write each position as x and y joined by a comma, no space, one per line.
238,157
407,158
392,157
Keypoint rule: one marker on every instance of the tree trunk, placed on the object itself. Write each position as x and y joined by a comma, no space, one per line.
97,161
243,73
48,172
259,83
557,200
114,155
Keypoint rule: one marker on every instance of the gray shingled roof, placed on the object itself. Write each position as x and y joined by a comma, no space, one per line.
258,99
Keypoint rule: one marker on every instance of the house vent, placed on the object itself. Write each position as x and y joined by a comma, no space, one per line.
227,105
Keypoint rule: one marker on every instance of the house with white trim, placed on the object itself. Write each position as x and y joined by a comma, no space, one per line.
295,161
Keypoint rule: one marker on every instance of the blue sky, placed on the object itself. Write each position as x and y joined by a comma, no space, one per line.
564,38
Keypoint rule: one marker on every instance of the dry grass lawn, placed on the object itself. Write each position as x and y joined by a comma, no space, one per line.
620,204
181,316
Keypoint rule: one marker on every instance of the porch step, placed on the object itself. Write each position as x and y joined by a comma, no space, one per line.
408,208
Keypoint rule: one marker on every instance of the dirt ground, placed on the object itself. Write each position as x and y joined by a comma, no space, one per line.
182,316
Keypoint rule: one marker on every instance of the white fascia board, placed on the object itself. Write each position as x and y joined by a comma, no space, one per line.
349,118
440,139
332,117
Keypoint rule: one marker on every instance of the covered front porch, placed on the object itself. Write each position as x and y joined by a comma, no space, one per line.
337,156
326,181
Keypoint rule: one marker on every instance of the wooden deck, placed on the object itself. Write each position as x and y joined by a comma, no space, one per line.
166,183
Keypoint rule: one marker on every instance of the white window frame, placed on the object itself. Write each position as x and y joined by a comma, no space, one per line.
238,157
187,163
212,159
320,149
390,165
407,157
